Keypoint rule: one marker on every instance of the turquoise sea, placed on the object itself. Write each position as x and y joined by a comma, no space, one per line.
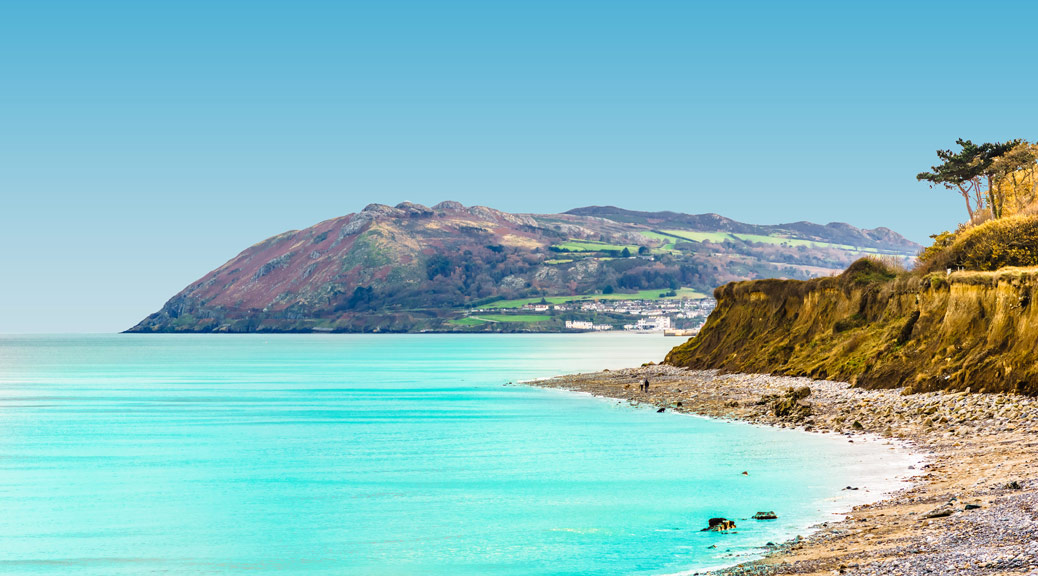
383,455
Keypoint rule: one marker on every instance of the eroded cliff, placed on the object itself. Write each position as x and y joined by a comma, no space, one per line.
971,330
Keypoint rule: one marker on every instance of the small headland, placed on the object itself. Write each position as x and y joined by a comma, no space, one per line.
965,319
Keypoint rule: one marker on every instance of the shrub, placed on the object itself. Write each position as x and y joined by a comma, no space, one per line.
990,246
869,271
941,242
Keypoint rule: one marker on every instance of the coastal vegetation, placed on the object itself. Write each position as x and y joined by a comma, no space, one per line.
996,179
963,318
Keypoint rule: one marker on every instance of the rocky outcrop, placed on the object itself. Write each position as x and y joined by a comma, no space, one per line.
719,525
449,205
414,210
791,405
969,331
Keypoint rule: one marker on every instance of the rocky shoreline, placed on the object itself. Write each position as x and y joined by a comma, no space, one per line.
972,510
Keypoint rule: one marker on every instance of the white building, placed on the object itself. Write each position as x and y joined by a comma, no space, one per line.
651,324
579,325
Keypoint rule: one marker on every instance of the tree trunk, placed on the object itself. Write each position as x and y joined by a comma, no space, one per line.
978,196
992,203
1034,185
966,195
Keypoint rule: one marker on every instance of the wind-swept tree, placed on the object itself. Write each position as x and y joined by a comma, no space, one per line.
990,153
968,170
1016,177
958,171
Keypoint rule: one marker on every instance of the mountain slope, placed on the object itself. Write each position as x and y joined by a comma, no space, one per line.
834,232
412,267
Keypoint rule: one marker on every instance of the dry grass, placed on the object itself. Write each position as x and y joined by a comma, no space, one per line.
895,264
989,246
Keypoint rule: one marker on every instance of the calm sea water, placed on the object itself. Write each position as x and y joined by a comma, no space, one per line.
381,455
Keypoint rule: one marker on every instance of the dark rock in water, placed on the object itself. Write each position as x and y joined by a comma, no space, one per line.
719,525
661,410
765,516
745,473
851,488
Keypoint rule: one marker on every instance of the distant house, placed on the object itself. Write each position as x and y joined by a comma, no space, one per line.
579,325
651,324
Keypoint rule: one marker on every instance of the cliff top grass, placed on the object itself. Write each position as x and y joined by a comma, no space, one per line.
993,245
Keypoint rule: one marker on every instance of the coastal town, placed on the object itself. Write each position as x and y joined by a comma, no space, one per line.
670,316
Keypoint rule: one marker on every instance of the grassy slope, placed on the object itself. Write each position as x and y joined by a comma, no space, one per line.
640,295
719,237
467,321
524,318
924,330
593,246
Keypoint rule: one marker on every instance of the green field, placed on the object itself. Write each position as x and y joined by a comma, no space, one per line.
593,246
641,295
485,318
715,237
668,241
467,321
777,240
719,237
526,318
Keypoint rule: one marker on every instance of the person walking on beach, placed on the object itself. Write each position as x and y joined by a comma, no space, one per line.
645,386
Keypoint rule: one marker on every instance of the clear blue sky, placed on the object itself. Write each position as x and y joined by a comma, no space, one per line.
145,143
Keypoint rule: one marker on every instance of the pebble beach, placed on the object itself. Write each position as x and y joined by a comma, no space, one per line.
971,509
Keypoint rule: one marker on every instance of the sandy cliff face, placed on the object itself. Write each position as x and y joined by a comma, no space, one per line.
967,330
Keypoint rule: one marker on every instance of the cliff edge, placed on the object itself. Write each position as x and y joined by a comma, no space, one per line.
878,327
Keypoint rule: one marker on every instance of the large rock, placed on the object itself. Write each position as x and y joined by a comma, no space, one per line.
719,525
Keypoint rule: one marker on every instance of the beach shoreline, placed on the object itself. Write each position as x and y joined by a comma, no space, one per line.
972,507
